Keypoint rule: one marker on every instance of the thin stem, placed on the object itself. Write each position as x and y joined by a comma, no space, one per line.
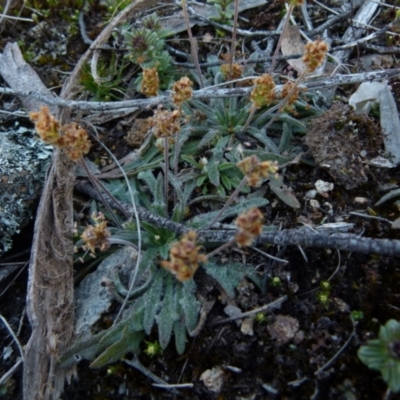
228,203
176,158
97,185
270,306
166,143
340,351
278,46
286,99
13,336
137,220
176,154
233,43
122,242
249,118
192,43
10,372
220,248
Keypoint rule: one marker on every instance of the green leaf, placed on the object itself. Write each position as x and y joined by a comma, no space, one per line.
226,182
129,342
382,354
225,166
166,317
213,172
286,137
228,276
189,304
266,156
89,347
191,160
264,139
180,336
152,300
208,138
282,191
150,181
200,181
294,123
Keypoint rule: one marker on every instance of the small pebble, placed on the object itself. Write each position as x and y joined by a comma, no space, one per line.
361,200
311,194
323,187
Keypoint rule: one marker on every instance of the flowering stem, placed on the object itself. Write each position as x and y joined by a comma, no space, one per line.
228,203
220,248
97,184
122,242
176,158
233,43
192,43
286,99
249,118
176,154
278,46
166,140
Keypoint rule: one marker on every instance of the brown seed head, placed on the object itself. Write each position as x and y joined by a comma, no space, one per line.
75,141
96,236
249,227
150,82
263,93
46,125
287,88
182,91
166,123
314,54
237,71
255,171
185,257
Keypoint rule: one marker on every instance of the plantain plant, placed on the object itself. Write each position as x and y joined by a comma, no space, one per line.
146,47
159,300
213,151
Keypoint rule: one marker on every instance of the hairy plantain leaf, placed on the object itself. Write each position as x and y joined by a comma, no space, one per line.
286,137
180,336
189,304
167,316
129,342
152,301
228,277
282,191
207,139
213,171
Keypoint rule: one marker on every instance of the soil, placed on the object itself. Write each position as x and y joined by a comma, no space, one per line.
290,352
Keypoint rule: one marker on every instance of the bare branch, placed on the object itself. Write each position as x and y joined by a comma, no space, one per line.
298,237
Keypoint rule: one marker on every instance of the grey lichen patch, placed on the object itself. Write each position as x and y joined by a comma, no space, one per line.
23,164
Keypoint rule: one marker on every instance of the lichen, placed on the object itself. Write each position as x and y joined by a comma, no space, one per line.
23,164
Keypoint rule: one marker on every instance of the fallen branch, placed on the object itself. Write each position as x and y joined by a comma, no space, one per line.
105,107
297,237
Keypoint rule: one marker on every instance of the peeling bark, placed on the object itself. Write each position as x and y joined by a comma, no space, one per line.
50,296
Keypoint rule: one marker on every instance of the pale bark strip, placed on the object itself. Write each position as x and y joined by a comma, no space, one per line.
50,286
21,77
50,301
